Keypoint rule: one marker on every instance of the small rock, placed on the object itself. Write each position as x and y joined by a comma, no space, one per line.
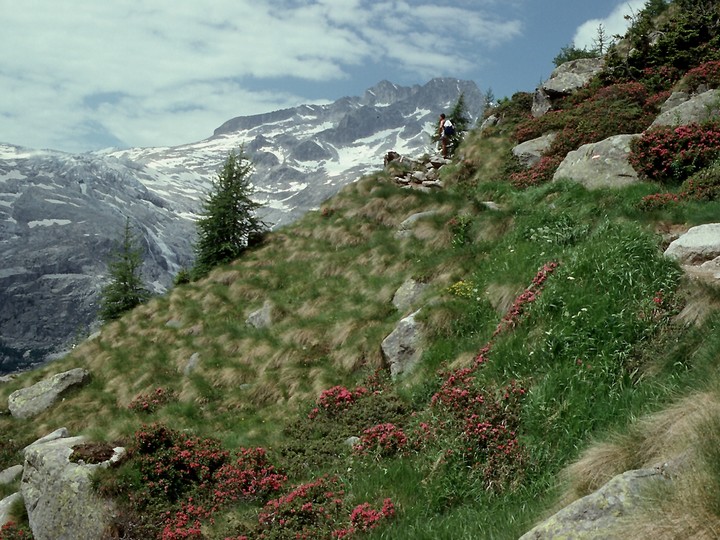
9,475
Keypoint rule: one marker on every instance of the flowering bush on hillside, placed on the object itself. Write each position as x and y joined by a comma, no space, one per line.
587,116
337,399
382,440
701,186
707,74
318,509
672,154
186,480
151,402
14,531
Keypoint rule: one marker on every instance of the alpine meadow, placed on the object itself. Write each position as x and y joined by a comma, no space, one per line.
518,349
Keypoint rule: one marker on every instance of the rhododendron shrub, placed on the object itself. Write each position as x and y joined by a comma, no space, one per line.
186,480
586,117
151,402
672,154
707,75
15,531
382,440
318,509
173,462
337,399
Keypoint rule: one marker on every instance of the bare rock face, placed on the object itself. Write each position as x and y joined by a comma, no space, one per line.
6,505
698,251
59,498
600,165
564,80
595,516
530,152
408,294
402,348
261,318
682,111
28,402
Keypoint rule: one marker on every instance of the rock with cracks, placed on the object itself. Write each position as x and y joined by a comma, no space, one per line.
596,515
602,164
402,348
28,402
60,500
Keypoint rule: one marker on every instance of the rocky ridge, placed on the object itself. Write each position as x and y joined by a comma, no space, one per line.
61,214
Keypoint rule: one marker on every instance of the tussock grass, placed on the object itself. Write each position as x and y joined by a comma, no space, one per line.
594,351
684,438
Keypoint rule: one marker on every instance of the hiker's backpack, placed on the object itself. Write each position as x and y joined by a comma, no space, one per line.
448,129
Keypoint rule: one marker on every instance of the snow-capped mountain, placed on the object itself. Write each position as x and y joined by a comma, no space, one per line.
61,214
303,155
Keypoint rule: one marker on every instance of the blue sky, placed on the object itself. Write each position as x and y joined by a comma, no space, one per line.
78,75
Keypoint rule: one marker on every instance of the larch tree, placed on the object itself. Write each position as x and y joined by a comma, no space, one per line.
126,289
228,222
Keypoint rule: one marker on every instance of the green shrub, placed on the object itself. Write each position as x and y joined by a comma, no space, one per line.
571,52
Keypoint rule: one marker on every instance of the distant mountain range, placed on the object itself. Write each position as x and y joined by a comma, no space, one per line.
61,214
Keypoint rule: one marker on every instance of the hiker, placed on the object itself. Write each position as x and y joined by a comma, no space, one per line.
445,132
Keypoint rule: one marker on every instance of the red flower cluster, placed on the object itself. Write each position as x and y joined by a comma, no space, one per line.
318,510
487,423
541,173
14,531
382,440
251,476
149,403
186,523
365,518
528,296
337,399
707,74
173,463
670,154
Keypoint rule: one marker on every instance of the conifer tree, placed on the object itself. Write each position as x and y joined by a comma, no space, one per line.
228,224
459,118
126,288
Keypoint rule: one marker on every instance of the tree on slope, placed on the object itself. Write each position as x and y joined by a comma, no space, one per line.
125,289
228,224
460,120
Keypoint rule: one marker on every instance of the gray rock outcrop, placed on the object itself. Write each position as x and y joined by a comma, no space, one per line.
406,227
699,245
261,318
564,80
596,515
28,402
530,152
696,109
675,99
59,498
408,293
6,506
402,348
9,475
570,76
601,164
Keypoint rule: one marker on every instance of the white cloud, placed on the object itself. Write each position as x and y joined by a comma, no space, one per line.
614,24
167,71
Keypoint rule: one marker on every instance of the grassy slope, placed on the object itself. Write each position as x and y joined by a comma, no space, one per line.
592,350
615,379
